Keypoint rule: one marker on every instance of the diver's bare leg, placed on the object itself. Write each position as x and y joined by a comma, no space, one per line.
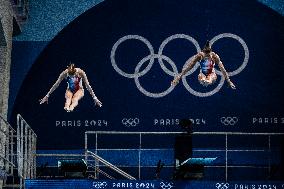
76,97
201,77
68,97
212,78
207,80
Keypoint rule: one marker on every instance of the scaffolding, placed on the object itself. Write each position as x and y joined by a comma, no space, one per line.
7,156
26,150
17,151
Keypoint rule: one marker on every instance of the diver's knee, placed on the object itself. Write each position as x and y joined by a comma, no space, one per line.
74,101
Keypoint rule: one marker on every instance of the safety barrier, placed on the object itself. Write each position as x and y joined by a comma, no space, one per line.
7,134
26,150
106,163
225,149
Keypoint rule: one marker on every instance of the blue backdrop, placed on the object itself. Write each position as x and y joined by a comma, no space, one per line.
88,40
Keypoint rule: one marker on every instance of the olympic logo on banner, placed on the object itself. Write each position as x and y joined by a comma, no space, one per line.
166,185
130,122
222,185
99,184
161,58
229,120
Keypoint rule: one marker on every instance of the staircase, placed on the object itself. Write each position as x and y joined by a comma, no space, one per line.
12,181
17,155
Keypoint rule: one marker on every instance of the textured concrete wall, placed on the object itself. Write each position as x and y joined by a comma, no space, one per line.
47,18
6,15
6,31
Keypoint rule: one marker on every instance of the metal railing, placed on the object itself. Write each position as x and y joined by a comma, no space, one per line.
7,134
225,147
26,150
108,164
120,132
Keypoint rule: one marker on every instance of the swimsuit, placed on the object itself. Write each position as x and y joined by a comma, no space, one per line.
74,83
207,66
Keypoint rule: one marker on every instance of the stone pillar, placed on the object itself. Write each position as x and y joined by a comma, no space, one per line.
6,32
6,15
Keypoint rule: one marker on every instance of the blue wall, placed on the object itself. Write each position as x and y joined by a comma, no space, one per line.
43,50
88,41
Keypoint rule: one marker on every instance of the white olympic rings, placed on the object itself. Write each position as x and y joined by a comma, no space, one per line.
229,120
152,56
130,122
222,185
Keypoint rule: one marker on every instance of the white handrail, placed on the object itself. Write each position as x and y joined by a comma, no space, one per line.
171,133
225,134
7,142
26,150
113,167
102,172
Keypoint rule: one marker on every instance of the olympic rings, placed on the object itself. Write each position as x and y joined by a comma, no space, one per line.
136,78
166,41
229,120
137,37
245,47
222,185
130,122
152,56
166,185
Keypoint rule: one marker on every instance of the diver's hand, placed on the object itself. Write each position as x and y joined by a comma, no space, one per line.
97,102
232,85
176,80
43,100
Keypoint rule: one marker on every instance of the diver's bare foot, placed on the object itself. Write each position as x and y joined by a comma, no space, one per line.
67,109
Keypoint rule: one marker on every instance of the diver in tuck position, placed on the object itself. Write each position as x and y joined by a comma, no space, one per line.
207,59
75,90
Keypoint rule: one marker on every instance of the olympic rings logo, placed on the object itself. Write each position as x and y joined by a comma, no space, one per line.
229,120
166,185
130,122
161,58
222,185
99,184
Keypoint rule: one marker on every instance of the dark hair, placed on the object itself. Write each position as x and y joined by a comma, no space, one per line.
71,69
207,47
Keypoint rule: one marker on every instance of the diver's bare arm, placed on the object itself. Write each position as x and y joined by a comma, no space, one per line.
188,67
56,84
191,64
223,70
89,88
